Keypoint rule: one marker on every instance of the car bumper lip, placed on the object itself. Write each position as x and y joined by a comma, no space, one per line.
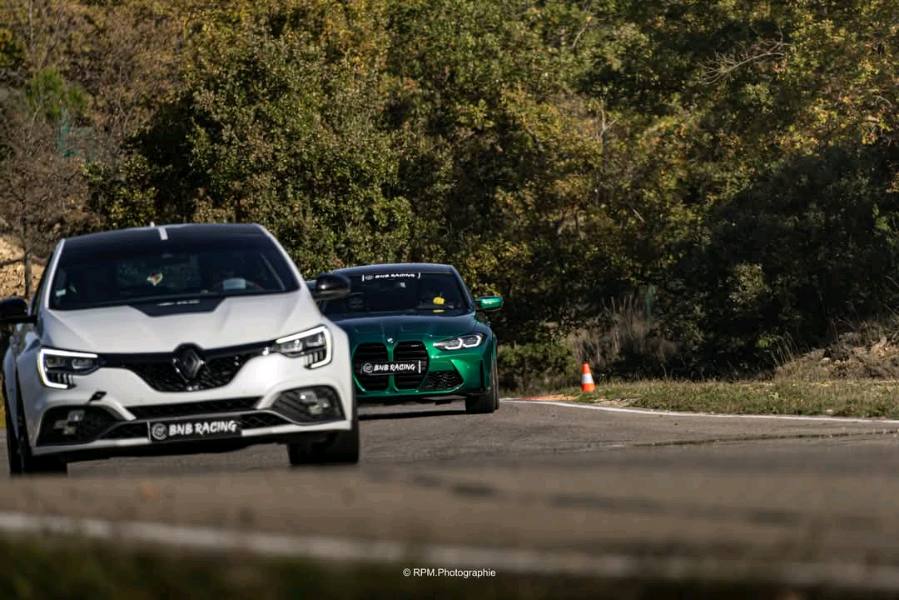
459,390
259,435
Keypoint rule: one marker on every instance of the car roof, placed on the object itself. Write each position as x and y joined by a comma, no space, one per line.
144,235
396,267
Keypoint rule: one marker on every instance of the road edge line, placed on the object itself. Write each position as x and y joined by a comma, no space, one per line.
673,413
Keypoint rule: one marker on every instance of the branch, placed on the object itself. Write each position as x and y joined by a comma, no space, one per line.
725,64
11,261
583,30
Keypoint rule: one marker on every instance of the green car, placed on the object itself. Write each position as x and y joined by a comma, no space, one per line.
417,335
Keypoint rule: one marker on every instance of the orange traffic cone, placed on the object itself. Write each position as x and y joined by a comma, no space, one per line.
587,384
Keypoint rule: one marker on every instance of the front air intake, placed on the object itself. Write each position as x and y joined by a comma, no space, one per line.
306,405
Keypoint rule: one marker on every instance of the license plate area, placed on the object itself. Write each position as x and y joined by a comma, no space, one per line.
195,428
384,368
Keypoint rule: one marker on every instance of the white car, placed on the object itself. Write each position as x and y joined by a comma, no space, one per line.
175,339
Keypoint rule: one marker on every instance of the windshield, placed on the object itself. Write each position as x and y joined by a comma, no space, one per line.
167,271
406,292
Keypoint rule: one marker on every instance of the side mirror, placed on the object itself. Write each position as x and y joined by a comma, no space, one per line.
330,287
487,303
14,310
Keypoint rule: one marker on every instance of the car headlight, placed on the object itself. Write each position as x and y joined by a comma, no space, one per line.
314,345
57,368
472,340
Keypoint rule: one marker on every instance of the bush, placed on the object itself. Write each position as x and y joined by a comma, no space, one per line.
627,339
536,366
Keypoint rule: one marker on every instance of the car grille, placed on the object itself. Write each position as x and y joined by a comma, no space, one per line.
186,409
441,380
410,351
126,430
158,370
370,353
262,419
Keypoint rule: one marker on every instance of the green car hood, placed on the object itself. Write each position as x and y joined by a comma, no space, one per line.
400,327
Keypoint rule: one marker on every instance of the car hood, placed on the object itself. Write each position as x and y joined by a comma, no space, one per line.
235,321
402,327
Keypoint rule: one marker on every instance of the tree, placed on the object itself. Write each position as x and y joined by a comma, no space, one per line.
717,165
279,123
42,189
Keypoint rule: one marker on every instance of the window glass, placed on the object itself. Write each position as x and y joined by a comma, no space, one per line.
167,271
407,292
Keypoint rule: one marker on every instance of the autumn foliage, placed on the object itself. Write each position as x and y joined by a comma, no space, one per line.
678,188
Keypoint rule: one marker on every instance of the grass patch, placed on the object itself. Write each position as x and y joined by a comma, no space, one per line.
76,569
844,398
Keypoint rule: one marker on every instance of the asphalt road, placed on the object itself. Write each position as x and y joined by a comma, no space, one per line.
704,492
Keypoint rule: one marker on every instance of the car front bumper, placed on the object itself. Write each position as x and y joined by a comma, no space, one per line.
251,398
449,374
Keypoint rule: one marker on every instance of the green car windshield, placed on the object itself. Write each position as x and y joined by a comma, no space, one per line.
404,293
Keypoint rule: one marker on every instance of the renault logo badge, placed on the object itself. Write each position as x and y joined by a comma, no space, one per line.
187,363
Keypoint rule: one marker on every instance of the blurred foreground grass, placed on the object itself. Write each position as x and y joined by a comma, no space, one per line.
76,569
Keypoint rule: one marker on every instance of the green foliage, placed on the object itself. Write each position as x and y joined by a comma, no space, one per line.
739,159
11,51
281,124
535,365
47,92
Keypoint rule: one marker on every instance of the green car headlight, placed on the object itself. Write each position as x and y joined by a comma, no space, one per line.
472,340
313,345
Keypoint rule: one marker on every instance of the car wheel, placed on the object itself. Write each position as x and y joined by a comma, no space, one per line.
488,401
341,447
29,464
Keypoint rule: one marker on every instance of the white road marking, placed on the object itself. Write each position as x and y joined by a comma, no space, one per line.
502,560
163,234
672,413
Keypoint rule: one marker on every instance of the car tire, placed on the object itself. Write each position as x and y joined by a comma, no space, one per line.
488,401
341,448
21,461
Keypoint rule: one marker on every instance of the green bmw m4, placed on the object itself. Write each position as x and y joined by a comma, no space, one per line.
417,335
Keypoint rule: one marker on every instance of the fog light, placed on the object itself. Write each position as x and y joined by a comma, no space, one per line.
315,404
69,426
309,404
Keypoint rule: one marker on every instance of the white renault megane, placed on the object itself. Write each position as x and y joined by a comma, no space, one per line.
175,339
